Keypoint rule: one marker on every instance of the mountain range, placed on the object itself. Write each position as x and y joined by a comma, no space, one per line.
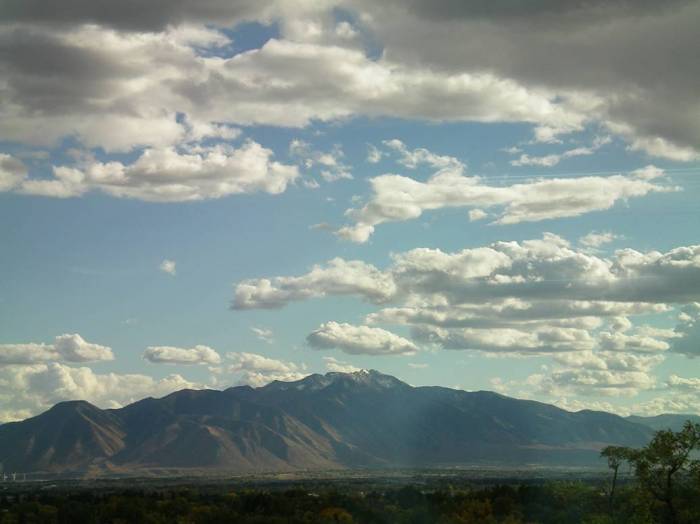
363,419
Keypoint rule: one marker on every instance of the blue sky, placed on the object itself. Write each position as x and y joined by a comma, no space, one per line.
191,200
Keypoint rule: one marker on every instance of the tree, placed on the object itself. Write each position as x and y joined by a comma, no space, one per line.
660,464
616,455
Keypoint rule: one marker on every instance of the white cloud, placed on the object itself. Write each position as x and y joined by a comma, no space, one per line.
168,266
169,175
421,156
540,340
12,172
533,297
339,366
635,342
397,198
359,340
687,332
331,165
477,214
690,384
594,57
130,75
546,269
32,389
553,159
258,370
266,335
173,355
338,277
65,348
374,154
596,239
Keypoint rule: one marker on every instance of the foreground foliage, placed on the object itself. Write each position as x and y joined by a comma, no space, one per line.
665,470
555,503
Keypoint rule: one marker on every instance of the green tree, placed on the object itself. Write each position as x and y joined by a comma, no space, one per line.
615,455
665,462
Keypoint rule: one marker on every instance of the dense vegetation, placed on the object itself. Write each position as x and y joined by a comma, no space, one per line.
665,488
556,503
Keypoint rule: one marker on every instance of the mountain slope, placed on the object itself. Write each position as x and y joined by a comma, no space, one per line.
337,420
665,421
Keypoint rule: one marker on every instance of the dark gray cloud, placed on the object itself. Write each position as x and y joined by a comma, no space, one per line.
136,15
638,59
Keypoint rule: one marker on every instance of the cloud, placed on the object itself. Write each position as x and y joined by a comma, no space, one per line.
421,156
374,154
534,297
594,382
540,270
139,67
258,370
173,355
689,384
12,172
331,165
169,175
589,54
687,332
122,102
596,239
554,159
152,16
65,348
397,198
339,366
477,214
359,340
540,340
636,342
32,389
338,277
168,266
266,335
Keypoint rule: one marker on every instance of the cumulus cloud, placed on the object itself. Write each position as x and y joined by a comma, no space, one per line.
477,214
284,83
34,388
534,297
264,334
338,366
539,340
589,53
169,175
359,340
338,277
634,342
65,348
131,71
687,332
374,154
329,164
12,172
690,384
257,370
547,269
173,355
596,239
168,266
398,198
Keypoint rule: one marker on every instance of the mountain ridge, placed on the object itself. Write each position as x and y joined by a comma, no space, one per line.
363,419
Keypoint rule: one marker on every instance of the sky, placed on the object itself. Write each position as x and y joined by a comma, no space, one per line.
480,195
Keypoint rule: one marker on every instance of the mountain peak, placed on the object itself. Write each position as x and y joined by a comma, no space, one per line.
369,378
